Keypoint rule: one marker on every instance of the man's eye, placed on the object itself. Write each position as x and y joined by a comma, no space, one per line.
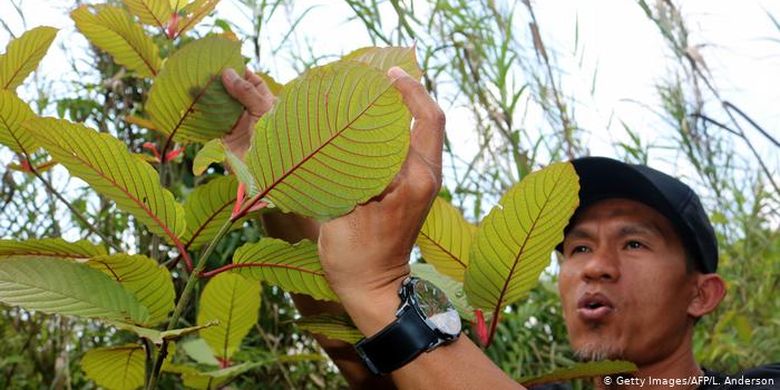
580,249
634,245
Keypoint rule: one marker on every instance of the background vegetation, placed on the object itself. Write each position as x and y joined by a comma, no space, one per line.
490,59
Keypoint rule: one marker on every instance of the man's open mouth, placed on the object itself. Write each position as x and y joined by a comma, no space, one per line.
594,307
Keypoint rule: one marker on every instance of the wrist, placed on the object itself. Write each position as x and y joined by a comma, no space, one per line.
371,310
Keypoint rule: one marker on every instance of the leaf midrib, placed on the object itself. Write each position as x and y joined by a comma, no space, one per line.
137,50
19,68
443,249
208,220
279,265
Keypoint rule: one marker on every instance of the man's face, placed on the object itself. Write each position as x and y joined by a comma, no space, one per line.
623,283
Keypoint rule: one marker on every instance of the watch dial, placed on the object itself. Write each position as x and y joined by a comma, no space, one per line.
436,307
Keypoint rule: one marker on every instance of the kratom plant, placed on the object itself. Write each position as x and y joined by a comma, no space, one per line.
336,137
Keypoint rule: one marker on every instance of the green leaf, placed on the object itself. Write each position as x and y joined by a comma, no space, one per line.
207,209
62,287
383,58
451,287
333,326
113,31
581,370
116,368
200,351
234,301
150,282
13,112
196,379
211,152
106,165
293,267
336,137
274,86
445,239
514,242
239,168
51,247
188,101
152,12
23,55
156,336
193,13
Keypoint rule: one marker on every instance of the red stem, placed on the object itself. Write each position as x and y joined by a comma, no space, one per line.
493,326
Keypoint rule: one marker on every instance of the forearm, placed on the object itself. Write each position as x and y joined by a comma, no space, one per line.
293,228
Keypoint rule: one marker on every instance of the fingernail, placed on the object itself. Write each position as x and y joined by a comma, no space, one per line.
231,74
396,73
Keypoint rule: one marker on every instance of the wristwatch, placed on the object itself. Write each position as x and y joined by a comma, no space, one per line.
425,320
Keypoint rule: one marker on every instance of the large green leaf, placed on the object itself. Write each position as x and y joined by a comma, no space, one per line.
116,368
234,301
445,239
333,326
63,287
152,12
207,209
211,152
516,239
105,164
150,282
188,101
51,247
23,55
13,112
193,13
581,370
114,31
335,138
199,350
383,58
293,267
158,336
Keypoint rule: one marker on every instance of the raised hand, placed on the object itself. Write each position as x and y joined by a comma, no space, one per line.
256,98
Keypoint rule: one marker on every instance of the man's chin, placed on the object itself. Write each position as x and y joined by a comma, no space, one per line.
598,350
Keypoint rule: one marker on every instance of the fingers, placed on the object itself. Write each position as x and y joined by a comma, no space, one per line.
428,130
252,92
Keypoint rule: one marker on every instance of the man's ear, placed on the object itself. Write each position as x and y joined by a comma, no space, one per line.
710,290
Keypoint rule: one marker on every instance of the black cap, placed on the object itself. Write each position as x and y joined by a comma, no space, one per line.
602,178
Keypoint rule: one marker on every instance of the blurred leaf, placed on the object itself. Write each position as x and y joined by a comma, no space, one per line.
106,165
293,267
152,12
150,282
196,379
13,112
113,31
23,54
188,102
581,370
207,209
51,247
211,152
141,122
156,336
200,351
445,239
336,137
233,301
515,241
193,13
55,286
120,368
333,326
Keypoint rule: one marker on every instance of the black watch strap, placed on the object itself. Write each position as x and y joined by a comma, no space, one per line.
398,343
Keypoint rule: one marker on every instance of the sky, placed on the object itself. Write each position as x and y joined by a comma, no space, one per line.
617,43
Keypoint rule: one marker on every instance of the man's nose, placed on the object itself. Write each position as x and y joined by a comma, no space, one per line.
602,266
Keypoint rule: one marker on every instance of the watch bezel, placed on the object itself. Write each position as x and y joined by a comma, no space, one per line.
409,301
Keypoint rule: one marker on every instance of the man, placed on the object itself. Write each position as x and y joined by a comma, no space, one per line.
638,269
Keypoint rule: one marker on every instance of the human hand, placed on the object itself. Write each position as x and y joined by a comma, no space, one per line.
365,254
256,98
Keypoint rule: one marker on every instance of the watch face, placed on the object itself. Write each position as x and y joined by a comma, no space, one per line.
436,307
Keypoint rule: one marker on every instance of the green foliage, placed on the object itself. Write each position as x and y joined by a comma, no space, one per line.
188,102
22,55
211,152
294,267
62,287
105,163
445,239
233,301
334,327
336,137
13,112
51,247
116,368
581,370
112,30
207,208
